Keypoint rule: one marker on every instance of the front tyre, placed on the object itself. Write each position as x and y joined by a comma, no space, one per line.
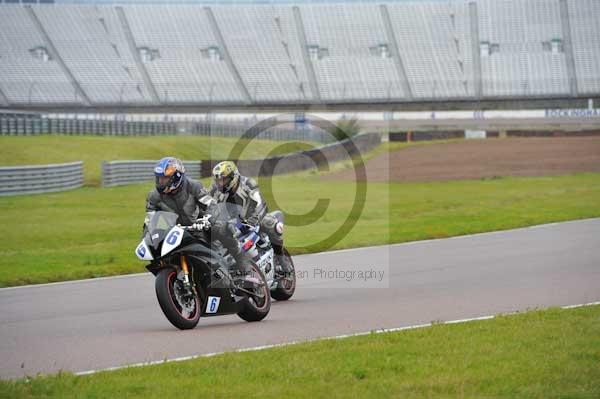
256,307
181,309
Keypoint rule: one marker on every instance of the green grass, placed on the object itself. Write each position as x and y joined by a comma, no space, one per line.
35,150
92,232
553,353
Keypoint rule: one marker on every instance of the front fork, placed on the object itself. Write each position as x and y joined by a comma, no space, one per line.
186,272
186,276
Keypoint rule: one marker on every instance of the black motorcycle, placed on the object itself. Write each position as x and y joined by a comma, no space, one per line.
192,273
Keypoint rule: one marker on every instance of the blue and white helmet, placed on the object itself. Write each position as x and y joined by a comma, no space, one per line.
169,173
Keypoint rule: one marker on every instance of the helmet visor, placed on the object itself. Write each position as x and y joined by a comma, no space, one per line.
223,183
163,183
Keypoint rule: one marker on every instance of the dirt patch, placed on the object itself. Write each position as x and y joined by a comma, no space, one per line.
476,159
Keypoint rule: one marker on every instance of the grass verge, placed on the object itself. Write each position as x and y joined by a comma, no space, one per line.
540,354
44,149
92,232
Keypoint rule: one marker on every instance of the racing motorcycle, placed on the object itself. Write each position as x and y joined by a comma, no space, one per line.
281,282
192,273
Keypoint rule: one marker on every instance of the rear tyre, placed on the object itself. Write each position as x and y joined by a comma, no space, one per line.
256,308
286,285
183,312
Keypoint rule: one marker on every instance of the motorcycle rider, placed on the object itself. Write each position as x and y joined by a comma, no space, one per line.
230,186
189,199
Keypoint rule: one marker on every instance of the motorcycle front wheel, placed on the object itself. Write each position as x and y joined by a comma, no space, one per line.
180,308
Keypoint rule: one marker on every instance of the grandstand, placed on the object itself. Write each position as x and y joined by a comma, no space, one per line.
132,55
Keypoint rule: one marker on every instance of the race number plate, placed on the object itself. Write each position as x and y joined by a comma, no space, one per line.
212,305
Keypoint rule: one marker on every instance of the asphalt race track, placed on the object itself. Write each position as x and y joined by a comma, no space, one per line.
101,323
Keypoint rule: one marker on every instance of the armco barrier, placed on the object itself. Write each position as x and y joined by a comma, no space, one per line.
302,160
35,179
118,173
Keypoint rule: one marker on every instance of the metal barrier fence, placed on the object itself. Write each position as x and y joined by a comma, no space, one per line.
118,173
14,124
24,126
17,180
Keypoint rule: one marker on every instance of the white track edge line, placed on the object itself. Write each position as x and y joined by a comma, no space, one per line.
263,347
535,226
85,280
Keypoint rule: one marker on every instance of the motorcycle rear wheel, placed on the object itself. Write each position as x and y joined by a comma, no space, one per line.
286,286
254,309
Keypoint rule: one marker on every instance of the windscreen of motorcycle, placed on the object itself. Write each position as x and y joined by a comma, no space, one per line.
158,224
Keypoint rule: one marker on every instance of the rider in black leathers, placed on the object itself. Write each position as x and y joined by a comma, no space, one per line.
189,199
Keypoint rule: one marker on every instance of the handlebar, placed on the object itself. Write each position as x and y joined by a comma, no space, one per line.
202,223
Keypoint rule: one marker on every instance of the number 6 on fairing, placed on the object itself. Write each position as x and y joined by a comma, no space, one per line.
172,238
172,241
212,304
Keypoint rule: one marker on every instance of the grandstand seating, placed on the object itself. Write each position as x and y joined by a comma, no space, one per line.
134,54
435,44
91,42
182,73
26,79
264,44
351,35
522,67
585,28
